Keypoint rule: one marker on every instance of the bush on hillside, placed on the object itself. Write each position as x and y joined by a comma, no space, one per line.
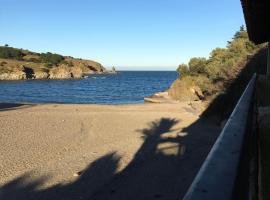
182,70
223,76
10,53
212,75
51,58
197,65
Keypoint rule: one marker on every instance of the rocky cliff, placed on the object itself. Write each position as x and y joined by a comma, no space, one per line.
18,64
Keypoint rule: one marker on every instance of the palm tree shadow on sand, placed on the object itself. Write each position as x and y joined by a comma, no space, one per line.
98,172
163,167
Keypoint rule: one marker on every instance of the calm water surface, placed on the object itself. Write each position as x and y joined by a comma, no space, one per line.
129,87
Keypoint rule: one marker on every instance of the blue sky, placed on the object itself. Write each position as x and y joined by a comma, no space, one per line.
128,34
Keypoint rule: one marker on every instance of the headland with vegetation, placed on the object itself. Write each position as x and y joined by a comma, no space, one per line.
20,64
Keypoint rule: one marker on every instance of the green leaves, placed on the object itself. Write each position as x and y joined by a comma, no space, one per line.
183,70
51,58
223,64
197,65
10,53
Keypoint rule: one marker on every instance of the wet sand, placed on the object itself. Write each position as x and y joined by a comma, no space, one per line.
147,151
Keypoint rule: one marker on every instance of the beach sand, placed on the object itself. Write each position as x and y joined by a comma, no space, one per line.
56,151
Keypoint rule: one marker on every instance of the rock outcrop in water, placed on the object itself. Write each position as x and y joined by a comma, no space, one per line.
13,75
41,75
60,72
19,64
65,72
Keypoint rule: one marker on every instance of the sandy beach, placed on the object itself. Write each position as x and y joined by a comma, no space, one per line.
56,151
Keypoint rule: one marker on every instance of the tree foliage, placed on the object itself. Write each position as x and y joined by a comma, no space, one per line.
222,64
51,58
10,53
197,65
183,70
7,52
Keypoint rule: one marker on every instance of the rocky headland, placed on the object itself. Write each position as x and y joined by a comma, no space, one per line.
19,64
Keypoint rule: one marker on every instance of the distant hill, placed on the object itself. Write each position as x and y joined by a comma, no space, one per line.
18,64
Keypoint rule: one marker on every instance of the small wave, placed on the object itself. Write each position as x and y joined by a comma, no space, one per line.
94,77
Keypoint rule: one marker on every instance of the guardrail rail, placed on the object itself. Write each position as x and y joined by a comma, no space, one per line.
220,174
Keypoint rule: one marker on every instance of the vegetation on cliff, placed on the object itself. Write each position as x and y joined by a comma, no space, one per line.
16,64
11,53
210,78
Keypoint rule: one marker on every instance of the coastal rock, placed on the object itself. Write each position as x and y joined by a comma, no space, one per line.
42,66
112,71
15,72
185,91
159,97
60,72
13,75
197,91
87,66
76,72
65,72
41,75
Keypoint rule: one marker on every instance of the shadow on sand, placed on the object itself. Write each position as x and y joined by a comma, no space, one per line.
163,167
13,106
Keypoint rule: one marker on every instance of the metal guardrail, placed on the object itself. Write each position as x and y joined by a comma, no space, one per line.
218,177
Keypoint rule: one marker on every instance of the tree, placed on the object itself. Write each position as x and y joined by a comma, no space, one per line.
242,33
218,54
183,70
197,65
222,66
51,58
10,53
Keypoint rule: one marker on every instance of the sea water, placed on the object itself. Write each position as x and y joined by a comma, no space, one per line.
126,87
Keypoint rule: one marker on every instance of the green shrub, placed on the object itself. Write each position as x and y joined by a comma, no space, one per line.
10,53
222,66
183,70
197,66
51,58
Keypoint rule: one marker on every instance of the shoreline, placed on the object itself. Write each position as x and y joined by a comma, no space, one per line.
156,98
3,105
82,77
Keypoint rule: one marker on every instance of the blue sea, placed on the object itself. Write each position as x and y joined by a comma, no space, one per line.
126,87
